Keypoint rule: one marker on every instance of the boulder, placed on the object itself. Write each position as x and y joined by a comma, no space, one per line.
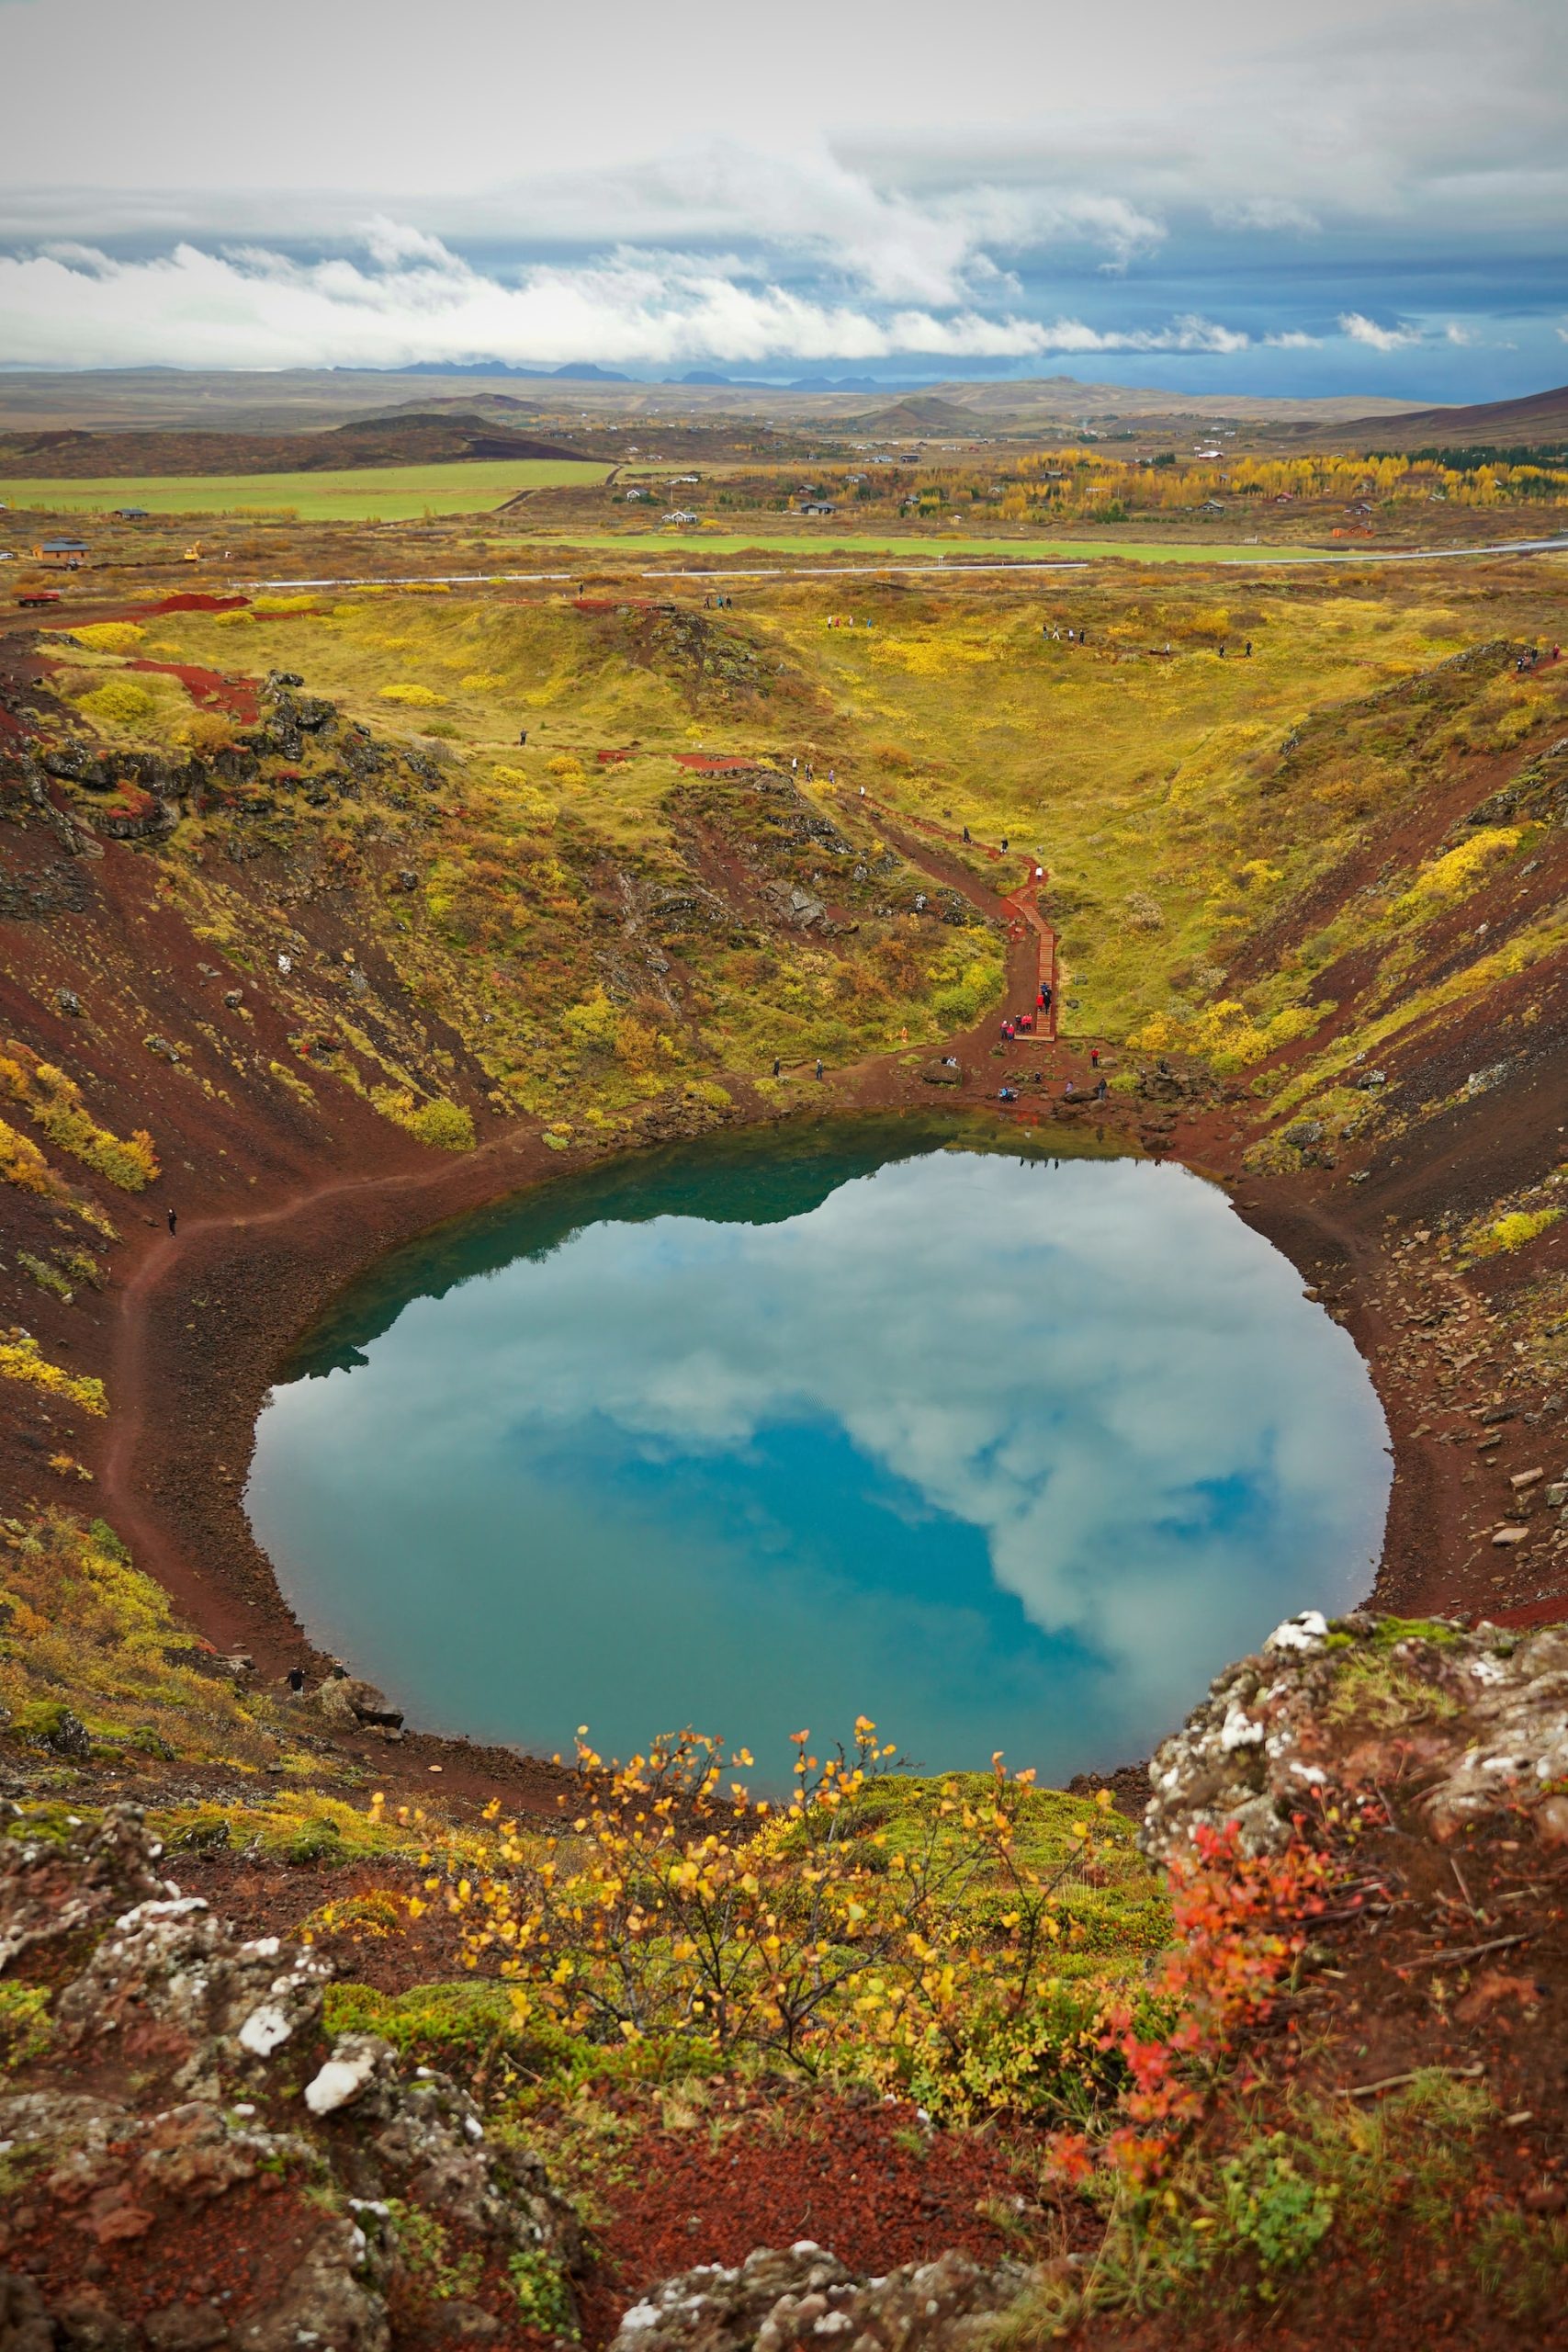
777,2301
1267,1737
346,1700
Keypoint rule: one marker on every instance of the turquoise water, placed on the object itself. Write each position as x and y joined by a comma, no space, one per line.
1002,1449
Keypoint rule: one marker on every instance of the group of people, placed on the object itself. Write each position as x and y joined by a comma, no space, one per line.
1022,1024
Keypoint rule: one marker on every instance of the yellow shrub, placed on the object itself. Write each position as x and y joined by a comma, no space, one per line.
415,697
21,1359
206,732
24,1165
284,605
445,1126
482,682
1451,877
55,1101
118,704
110,637
1513,1231
233,620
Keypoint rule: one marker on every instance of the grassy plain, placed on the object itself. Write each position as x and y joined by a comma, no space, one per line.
377,494
899,548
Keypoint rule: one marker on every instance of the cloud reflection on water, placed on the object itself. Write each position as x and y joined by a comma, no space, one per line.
1079,1398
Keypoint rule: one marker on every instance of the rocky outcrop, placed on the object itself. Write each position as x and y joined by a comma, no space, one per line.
188,2096
776,2302
1476,1721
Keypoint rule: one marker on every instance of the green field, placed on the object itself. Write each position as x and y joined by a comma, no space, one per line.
858,545
383,493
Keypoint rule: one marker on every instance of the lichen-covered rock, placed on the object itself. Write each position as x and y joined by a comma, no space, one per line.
778,2301
211,2088
1475,1719
50,1893
172,1977
329,2300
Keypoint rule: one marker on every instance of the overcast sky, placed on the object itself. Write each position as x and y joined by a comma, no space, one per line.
1367,195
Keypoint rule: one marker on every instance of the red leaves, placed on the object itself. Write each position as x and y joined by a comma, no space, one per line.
1237,1926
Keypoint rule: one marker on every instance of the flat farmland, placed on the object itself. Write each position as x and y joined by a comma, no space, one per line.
899,549
372,494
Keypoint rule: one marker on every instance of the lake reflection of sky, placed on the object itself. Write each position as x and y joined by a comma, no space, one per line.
1003,1451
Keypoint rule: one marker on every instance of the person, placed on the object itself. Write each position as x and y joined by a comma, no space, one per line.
1249,648
1222,653
819,1066
1007,1094
295,1681
1067,1091
775,1066
793,763
523,737
171,1220
1004,841
1102,1091
1026,1023
1008,1032
1046,995
965,832
832,775
863,792
1094,1057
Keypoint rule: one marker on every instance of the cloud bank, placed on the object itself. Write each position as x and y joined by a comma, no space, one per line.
1224,187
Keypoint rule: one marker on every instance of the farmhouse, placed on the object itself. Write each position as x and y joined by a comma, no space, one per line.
816,507
680,514
67,551
130,514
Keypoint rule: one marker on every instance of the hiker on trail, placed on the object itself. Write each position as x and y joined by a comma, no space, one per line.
1004,841
1094,1057
775,1064
1222,653
863,792
171,1220
296,1682
965,832
793,763
1025,1022
1044,996
1249,648
1006,1094
832,775
1067,1091
1102,1091
1008,1032
523,737
819,1066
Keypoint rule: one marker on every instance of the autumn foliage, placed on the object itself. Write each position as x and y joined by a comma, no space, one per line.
675,1905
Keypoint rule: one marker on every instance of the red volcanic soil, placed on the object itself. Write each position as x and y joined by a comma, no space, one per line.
238,696
191,601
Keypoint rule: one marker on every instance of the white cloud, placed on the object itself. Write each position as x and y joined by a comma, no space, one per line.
405,296
1293,339
1361,329
1270,212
